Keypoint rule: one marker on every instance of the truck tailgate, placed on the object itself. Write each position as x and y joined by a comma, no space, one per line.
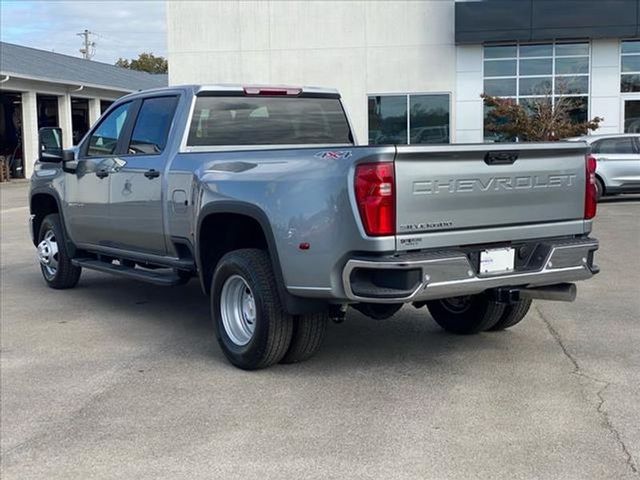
456,188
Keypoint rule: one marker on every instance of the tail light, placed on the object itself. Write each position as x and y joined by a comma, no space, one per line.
590,192
376,197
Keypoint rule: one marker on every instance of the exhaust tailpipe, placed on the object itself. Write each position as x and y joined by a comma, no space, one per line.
562,292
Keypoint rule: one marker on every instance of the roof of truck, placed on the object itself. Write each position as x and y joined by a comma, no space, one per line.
237,87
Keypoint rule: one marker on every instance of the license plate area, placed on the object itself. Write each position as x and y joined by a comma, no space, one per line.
495,261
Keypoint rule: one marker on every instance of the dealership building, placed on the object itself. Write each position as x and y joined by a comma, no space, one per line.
413,71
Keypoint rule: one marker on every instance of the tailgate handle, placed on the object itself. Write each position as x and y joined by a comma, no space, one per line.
500,158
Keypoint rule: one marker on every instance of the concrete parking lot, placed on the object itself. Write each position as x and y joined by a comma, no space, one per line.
118,379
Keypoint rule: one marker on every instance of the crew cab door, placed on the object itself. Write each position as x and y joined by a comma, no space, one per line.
87,189
136,186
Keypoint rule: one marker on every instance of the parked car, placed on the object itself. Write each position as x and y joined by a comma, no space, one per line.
264,196
618,162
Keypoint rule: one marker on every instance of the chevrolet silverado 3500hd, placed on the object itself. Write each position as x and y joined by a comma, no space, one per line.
263,195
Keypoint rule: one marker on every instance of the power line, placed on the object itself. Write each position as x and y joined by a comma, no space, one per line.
89,49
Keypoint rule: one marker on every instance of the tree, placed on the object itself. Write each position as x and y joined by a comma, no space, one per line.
146,62
539,120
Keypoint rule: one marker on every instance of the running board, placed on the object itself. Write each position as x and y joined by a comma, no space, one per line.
149,276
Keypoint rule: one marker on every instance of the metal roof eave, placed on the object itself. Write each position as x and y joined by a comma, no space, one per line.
67,83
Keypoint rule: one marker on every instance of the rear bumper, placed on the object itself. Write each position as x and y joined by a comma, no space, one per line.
441,274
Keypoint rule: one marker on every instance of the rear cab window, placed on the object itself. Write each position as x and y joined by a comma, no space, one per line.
230,120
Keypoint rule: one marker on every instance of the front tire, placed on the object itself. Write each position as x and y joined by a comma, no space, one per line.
252,328
466,315
55,262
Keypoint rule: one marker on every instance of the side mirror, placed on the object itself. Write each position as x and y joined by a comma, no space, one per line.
50,146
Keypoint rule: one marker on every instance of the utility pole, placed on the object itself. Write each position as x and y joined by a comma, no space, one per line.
89,49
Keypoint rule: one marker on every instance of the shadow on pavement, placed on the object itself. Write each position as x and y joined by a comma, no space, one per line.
409,338
620,198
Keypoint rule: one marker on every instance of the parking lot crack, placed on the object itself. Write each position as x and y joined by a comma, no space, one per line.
600,407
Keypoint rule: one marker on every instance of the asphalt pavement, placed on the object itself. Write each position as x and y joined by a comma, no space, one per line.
119,379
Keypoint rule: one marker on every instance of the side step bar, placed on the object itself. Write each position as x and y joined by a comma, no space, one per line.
150,276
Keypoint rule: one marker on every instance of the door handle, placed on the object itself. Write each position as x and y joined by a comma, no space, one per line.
102,173
152,173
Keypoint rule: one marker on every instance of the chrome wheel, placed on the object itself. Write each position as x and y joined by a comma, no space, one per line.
457,304
238,310
48,254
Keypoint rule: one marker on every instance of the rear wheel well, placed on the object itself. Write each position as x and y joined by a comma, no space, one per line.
41,205
221,233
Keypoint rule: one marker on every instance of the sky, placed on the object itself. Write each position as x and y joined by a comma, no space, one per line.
122,28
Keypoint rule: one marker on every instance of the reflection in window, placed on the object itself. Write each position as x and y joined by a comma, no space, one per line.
630,60
551,70
104,139
427,121
632,116
152,125
388,120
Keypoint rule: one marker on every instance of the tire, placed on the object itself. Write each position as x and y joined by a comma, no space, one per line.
55,262
252,328
308,334
512,315
466,315
600,191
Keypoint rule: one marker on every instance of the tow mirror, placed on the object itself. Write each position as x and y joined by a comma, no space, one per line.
50,146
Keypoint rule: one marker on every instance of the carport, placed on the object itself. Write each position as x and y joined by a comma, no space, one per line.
46,89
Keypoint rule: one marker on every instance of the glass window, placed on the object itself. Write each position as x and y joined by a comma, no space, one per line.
429,119
533,104
500,51
388,120
536,66
614,145
535,86
104,139
578,108
499,68
631,46
504,87
632,116
631,63
152,125
572,65
263,120
572,85
630,83
550,71
568,49
545,50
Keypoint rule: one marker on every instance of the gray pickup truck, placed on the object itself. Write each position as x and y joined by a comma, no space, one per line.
262,194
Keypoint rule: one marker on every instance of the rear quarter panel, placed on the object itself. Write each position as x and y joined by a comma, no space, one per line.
306,198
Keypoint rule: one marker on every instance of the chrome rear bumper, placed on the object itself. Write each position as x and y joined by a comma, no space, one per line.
451,273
